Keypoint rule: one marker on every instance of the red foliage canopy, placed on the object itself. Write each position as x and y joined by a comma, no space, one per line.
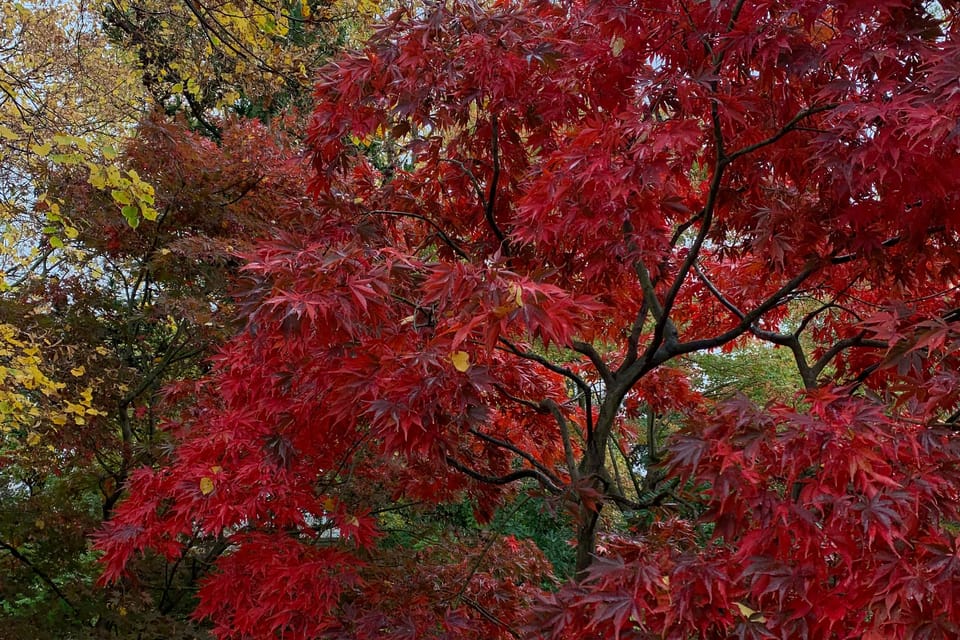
524,213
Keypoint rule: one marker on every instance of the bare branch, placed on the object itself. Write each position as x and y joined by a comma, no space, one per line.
473,179
633,340
860,340
530,404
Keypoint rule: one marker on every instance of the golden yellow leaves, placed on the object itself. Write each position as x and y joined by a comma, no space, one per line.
20,379
750,614
28,397
42,150
514,300
71,106
206,485
516,292
460,360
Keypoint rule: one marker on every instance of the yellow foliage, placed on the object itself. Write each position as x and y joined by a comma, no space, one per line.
73,101
206,486
460,360
31,402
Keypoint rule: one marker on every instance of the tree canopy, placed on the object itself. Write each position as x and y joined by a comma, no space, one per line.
530,224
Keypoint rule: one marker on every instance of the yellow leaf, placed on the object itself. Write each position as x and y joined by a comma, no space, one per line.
517,292
102,351
39,524
109,152
121,197
329,504
59,420
460,360
206,486
41,149
33,439
616,46
71,232
77,372
8,133
749,614
216,469
97,177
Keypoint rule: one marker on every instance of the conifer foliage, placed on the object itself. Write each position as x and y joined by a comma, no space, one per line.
525,217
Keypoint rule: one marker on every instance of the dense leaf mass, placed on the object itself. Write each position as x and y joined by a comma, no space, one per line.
526,217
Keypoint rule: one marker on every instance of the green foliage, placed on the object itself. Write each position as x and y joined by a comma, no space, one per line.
762,372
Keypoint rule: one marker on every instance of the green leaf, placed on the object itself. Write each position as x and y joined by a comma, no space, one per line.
67,158
132,215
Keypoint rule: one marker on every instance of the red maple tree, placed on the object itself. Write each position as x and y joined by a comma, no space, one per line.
527,216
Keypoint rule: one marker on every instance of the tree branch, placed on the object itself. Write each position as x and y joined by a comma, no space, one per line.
886,244
791,341
595,358
530,404
470,175
563,371
860,340
494,179
554,408
38,572
455,246
748,319
633,340
520,474
520,452
784,130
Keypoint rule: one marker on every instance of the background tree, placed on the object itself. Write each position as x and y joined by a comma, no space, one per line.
579,196
253,58
121,233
